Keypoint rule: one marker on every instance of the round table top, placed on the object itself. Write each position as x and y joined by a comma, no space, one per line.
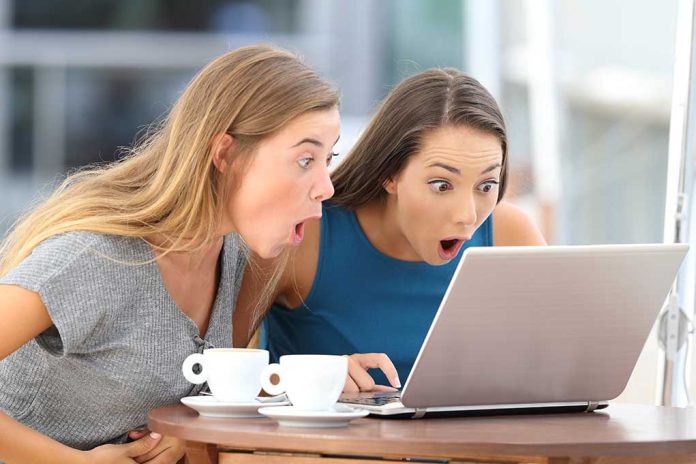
621,429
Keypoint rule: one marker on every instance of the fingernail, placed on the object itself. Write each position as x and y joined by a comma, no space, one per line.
155,435
396,382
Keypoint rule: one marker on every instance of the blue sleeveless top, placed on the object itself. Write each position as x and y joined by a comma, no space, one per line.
361,300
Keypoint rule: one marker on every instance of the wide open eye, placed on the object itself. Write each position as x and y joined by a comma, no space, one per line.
440,186
305,163
487,186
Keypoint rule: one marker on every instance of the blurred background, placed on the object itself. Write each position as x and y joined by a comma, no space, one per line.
585,87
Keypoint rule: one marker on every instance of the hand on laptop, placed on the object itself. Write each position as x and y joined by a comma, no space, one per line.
359,380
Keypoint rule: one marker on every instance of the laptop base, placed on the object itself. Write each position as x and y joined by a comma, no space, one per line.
387,405
419,414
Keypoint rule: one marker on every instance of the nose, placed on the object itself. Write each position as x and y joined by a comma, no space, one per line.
466,211
322,188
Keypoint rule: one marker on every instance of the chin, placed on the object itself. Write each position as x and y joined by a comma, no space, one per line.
271,252
431,260
436,261
263,252
266,254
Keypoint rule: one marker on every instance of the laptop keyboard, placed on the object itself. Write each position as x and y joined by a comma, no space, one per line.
371,399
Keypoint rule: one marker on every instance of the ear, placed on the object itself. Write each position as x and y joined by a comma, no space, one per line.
390,186
222,151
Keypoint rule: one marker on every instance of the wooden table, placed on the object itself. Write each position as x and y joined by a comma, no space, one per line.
619,434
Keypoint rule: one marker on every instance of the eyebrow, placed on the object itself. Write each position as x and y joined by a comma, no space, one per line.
454,170
313,142
309,140
447,167
491,168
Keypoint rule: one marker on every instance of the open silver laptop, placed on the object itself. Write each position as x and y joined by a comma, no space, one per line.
535,329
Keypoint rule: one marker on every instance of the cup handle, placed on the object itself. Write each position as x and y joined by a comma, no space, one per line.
266,384
187,369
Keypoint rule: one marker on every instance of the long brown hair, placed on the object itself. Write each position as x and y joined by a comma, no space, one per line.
167,184
420,103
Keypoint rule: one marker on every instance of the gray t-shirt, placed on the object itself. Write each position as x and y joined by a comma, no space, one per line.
118,341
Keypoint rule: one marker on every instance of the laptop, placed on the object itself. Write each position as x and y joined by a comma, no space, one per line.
535,329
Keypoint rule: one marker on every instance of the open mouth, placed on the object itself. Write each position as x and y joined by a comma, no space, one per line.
297,234
448,249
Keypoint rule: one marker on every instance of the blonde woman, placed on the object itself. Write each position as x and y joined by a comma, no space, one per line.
127,269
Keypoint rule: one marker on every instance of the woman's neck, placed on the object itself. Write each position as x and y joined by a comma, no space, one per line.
190,260
380,224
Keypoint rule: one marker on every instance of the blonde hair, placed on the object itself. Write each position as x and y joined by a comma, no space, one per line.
167,184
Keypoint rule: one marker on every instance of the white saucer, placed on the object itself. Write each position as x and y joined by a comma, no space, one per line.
208,406
289,416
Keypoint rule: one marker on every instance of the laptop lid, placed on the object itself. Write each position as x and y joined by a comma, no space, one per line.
546,324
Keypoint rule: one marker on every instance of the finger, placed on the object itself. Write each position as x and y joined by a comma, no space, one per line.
350,386
167,456
384,388
164,444
137,434
363,380
381,361
144,445
147,457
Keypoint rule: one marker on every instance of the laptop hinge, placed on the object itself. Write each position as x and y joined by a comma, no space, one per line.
420,412
591,406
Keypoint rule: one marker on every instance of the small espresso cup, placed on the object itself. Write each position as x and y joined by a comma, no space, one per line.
233,374
311,382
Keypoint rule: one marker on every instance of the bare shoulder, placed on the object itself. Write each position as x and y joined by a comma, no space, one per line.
513,227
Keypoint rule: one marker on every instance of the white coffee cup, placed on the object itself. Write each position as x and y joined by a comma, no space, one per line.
312,382
233,374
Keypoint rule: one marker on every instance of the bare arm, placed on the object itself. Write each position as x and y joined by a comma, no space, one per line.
512,227
23,316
